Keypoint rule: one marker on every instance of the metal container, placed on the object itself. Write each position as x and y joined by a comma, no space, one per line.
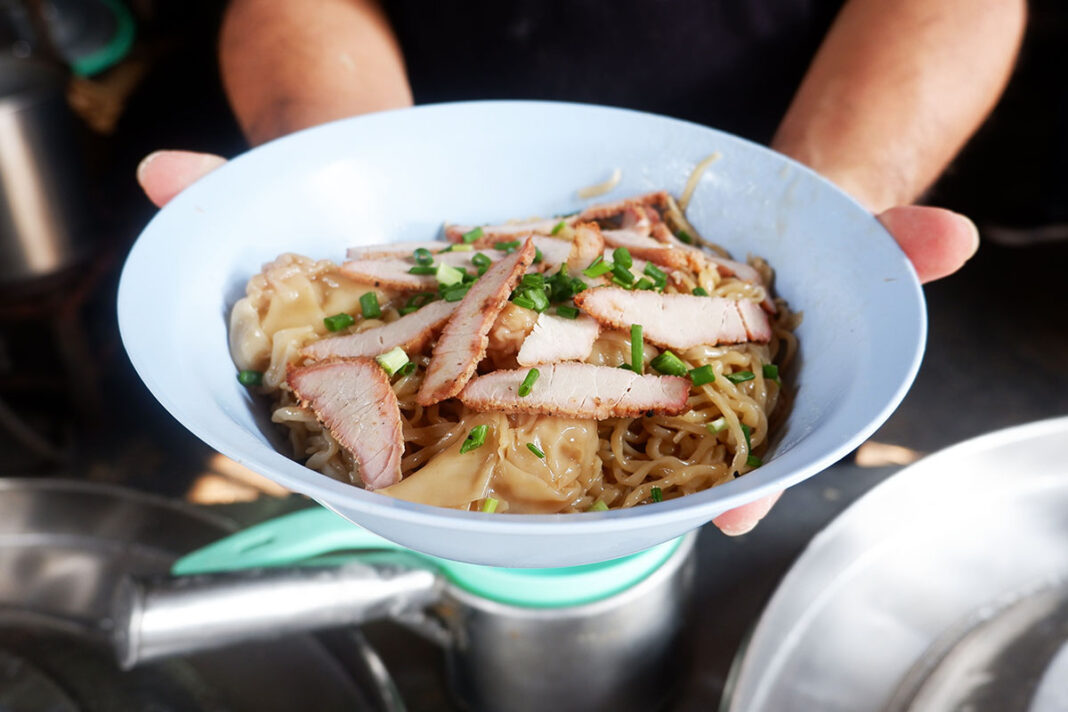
624,652
43,216
944,588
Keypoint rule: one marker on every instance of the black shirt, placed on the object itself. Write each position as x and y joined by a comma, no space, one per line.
731,64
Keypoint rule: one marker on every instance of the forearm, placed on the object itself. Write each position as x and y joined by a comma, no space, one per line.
287,65
897,88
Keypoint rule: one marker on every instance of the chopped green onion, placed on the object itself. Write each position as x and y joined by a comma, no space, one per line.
525,302
621,256
447,275
656,274
392,360
455,294
459,248
567,312
423,270
657,494
481,261
598,268
406,310
416,301
702,375
538,257
538,298
684,237
771,372
636,348
747,431
248,377
528,383
406,369
423,257
489,505
536,450
644,283
473,236
577,285
669,364
599,506
533,280
339,322
740,377
717,426
558,227
623,274
510,246
620,283
700,292
369,306
451,247
476,437
754,461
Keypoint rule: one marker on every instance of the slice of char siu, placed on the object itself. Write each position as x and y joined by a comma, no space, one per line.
677,321
578,390
507,231
354,400
412,332
555,338
462,343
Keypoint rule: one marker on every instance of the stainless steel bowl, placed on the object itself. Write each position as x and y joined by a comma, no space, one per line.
942,589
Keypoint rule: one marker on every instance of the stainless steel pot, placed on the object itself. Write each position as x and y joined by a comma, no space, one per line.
43,216
624,652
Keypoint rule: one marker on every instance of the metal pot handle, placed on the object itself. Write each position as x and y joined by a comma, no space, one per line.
178,615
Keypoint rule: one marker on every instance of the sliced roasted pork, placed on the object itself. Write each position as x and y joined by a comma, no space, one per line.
463,341
353,399
555,338
607,211
586,245
507,231
649,248
389,272
395,249
578,390
677,321
411,332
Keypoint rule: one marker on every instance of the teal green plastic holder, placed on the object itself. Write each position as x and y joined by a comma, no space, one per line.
295,538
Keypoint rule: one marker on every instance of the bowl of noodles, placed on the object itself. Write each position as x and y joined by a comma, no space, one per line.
422,320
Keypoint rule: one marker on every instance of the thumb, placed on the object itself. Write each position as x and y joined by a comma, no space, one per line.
165,174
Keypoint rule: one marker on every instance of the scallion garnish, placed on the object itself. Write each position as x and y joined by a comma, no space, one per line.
476,437
447,275
771,372
248,377
558,227
702,375
621,256
489,504
637,348
524,301
538,299
338,322
567,312
622,274
534,280
423,257
459,248
700,292
406,369
717,426
528,383
644,283
422,270
598,506
657,494
473,236
455,294
684,237
740,377
754,461
747,431
392,360
538,257
369,306
656,274
406,310
509,246
597,268
536,450
669,364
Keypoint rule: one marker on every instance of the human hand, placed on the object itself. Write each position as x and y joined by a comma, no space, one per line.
937,241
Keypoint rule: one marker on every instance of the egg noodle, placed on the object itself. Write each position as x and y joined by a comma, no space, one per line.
587,464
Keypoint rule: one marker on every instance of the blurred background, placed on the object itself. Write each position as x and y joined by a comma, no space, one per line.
88,87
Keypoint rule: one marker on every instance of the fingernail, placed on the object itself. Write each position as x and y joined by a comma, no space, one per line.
143,165
974,233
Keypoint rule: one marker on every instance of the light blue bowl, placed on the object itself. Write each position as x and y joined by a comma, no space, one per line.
398,175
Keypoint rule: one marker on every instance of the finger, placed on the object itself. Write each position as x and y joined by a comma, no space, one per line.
937,241
165,174
742,519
